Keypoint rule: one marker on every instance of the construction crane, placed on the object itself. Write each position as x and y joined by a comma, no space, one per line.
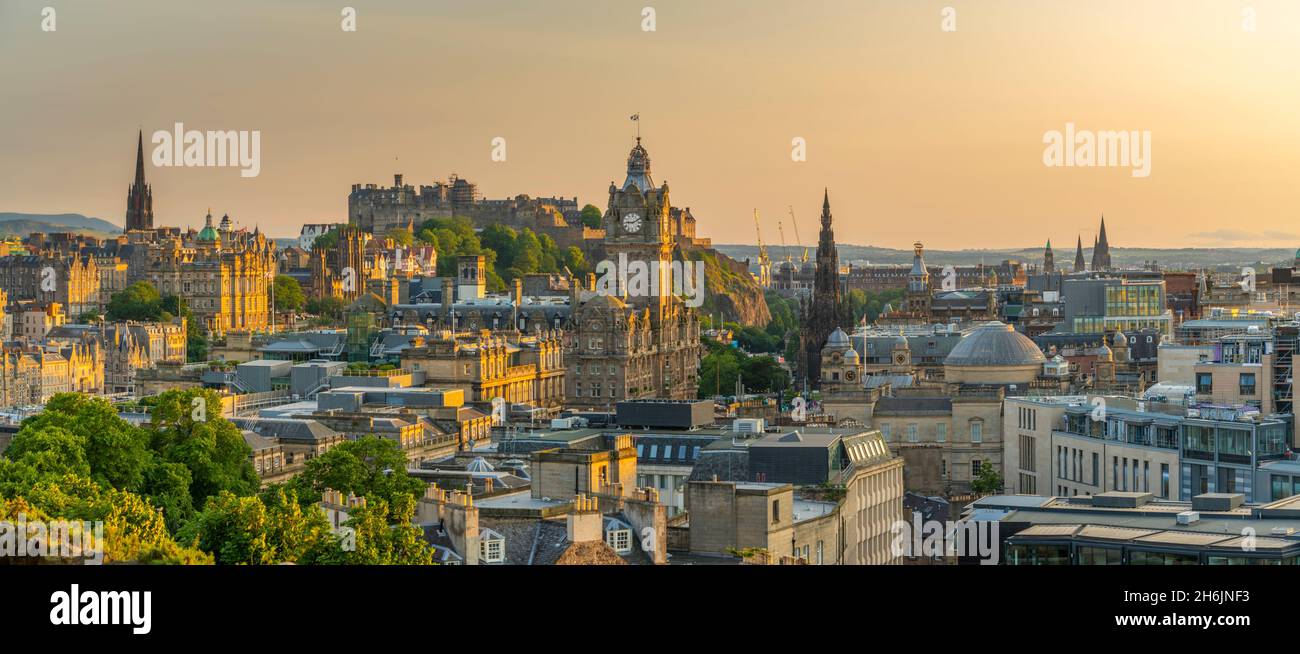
803,258
764,262
780,230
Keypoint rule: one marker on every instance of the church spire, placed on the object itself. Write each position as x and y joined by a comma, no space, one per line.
139,197
139,158
1078,256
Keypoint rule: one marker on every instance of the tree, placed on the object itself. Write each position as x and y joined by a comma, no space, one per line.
718,372
575,260
384,535
209,445
115,451
288,293
370,466
591,216
139,301
400,236
328,307
328,240
259,530
989,480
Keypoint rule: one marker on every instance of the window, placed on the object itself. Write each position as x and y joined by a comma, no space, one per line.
619,539
974,468
911,432
976,431
884,431
1164,480
820,553
492,548
776,511
1204,382
941,432
1246,383
654,451
1096,469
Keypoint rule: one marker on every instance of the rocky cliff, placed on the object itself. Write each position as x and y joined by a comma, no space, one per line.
729,288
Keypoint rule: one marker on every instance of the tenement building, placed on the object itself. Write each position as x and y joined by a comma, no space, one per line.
72,281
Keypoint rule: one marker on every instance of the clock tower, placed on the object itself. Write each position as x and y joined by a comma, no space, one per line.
638,230
627,341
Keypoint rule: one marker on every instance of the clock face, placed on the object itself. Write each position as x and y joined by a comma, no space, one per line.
632,222
900,358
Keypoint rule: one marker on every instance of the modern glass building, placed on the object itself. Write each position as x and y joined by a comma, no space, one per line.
1096,305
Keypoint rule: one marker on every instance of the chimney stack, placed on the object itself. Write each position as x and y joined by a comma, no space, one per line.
585,521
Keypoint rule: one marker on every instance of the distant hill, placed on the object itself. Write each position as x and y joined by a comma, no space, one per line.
22,224
1173,258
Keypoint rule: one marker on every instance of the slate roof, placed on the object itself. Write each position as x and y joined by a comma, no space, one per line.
287,429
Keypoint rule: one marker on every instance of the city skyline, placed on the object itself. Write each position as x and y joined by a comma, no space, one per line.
920,134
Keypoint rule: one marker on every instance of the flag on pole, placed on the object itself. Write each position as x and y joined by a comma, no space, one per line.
636,116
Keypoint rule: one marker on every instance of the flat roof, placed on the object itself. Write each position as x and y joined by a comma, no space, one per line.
809,509
521,500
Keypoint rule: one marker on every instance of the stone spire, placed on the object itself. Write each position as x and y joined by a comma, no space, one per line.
825,311
1049,258
1078,256
139,197
1101,255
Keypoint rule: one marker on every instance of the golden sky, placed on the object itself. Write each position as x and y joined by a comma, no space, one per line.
920,134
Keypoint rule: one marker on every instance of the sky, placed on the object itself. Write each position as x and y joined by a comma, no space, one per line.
920,133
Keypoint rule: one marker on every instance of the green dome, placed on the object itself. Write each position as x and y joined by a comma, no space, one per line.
209,233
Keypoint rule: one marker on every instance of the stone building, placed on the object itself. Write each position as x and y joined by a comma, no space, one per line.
518,368
71,280
782,519
225,275
342,271
129,347
621,346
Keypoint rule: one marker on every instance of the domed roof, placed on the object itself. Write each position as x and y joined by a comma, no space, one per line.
606,301
208,233
851,355
995,344
837,339
1119,339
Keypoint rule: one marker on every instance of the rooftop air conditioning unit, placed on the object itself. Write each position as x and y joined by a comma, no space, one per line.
1283,531
1188,518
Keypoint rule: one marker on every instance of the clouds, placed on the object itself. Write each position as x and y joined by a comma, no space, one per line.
1226,236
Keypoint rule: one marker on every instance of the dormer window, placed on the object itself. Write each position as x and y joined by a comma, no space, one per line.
492,547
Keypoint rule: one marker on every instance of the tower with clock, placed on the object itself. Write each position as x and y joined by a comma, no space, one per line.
621,343
637,223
